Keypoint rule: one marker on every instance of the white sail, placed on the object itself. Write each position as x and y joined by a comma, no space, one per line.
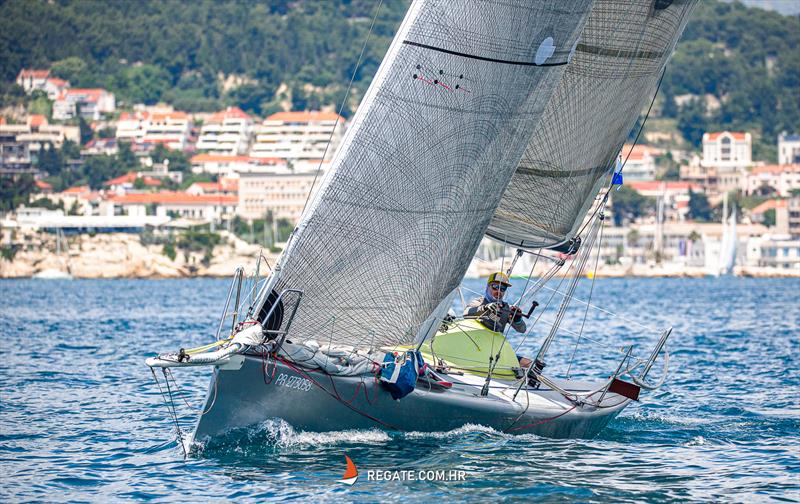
611,77
424,164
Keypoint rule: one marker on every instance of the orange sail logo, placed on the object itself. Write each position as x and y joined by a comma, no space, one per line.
350,474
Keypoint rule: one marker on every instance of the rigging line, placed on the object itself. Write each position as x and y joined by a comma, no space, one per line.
591,290
635,141
547,305
615,315
341,107
562,309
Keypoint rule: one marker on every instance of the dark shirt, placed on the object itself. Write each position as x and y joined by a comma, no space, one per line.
494,321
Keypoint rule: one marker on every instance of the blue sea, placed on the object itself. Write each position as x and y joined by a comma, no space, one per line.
82,420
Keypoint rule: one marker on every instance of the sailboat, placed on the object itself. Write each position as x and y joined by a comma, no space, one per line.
62,272
485,118
727,249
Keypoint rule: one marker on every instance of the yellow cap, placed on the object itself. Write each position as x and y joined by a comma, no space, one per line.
499,277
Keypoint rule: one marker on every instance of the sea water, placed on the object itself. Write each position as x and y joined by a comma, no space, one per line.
82,420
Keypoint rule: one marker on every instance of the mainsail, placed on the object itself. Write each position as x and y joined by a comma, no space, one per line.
611,77
424,164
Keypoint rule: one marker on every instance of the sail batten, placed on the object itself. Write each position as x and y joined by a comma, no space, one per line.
611,77
416,180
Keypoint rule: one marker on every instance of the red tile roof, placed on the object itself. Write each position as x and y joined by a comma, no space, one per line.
130,178
224,185
36,120
218,158
305,116
229,113
657,185
737,135
776,169
769,205
58,82
174,198
36,74
44,186
77,190
639,152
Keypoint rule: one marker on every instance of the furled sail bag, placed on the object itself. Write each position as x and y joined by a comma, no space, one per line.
399,372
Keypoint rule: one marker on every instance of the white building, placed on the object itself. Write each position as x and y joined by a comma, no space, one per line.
220,164
641,163
92,103
298,136
31,80
773,179
774,251
727,150
279,189
37,132
159,126
162,204
226,132
788,149
723,167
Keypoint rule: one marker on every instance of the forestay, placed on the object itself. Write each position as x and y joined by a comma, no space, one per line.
423,165
611,77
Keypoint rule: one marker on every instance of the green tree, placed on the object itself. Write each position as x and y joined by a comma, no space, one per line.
692,121
699,208
73,69
86,131
50,160
629,205
14,193
127,159
769,217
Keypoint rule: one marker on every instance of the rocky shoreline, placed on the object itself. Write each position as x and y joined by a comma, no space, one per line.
125,256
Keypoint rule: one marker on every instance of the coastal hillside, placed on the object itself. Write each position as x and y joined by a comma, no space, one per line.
736,67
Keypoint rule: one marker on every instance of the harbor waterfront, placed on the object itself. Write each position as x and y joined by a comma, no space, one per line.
81,418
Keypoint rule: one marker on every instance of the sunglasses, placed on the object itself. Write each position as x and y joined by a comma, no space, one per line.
500,287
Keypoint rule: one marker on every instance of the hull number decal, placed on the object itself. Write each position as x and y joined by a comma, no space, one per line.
293,382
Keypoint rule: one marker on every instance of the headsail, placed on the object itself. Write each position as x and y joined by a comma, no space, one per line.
423,165
611,77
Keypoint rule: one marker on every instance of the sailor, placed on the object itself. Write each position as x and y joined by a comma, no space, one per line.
491,310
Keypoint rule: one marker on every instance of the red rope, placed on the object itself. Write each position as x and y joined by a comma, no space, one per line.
335,396
542,421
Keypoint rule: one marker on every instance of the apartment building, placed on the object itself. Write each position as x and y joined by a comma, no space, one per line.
227,132
298,136
278,188
161,125
640,162
767,180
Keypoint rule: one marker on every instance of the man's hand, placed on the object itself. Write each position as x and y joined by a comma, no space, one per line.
492,307
516,313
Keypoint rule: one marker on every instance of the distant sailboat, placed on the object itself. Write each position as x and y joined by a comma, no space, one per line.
728,244
63,271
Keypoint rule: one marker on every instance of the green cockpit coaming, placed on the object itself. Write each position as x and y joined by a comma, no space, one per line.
467,345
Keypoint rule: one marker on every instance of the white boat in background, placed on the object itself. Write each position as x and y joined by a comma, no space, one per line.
499,118
62,272
728,246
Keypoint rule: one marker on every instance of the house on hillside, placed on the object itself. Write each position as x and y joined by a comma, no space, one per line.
298,136
92,104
